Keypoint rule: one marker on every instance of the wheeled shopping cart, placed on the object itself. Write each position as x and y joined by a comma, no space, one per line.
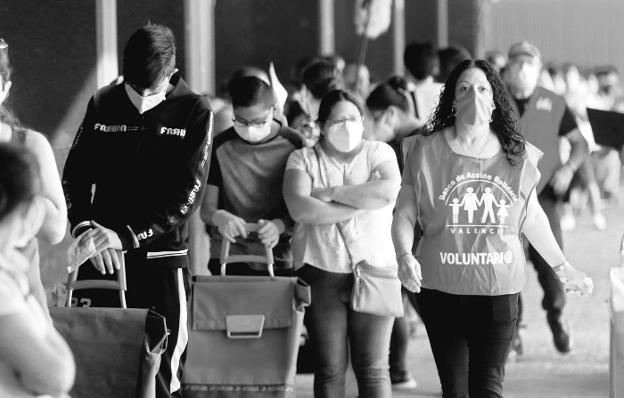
244,332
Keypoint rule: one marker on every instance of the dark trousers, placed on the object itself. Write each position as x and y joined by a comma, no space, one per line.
161,289
399,341
554,292
337,332
470,338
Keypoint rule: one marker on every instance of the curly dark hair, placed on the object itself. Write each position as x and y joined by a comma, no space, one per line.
504,123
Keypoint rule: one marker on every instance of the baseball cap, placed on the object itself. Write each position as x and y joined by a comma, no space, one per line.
524,48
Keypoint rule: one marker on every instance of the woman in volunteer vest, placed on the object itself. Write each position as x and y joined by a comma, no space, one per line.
469,183
341,193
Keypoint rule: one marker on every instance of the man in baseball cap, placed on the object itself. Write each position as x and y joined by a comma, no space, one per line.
524,48
544,119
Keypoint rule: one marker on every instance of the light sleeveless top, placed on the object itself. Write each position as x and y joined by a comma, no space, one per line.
471,213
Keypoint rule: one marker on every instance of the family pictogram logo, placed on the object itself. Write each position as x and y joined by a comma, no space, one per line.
478,203
470,203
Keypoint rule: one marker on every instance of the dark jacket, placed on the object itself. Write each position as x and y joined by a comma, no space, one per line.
149,171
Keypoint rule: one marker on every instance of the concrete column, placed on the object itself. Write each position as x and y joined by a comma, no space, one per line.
443,25
398,36
106,41
327,35
199,41
199,44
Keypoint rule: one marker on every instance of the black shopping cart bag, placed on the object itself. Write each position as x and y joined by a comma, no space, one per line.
117,350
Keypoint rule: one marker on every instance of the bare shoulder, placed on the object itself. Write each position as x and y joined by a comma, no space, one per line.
39,145
35,140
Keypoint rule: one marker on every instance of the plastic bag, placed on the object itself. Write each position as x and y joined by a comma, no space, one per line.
79,251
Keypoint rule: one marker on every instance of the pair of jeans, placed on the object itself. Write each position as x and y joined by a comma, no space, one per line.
336,331
554,292
470,338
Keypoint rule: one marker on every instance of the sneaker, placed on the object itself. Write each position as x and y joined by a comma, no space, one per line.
561,334
568,222
600,222
516,352
408,384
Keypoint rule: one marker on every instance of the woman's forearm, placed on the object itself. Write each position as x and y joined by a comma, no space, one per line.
45,364
537,230
368,196
404,222
309,210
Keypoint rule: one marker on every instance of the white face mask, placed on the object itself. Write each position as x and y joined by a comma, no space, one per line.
144,103
474,108
254,134
346,136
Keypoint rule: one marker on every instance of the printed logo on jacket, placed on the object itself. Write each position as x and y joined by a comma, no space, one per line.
477,204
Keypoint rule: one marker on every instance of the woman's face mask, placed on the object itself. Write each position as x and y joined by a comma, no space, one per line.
253,132
474,101
346,135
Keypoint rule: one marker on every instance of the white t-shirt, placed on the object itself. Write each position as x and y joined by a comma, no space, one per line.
15,299
368,234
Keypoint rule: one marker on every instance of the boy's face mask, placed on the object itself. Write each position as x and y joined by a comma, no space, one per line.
254,132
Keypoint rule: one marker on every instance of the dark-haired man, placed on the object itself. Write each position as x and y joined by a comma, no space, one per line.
145,146
245,180
421,61
544,119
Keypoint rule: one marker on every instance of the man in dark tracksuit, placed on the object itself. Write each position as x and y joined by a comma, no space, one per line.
544,119
145,146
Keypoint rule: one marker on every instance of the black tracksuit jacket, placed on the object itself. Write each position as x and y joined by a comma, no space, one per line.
141,175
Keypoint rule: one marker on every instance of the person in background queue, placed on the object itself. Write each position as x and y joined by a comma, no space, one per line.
544,118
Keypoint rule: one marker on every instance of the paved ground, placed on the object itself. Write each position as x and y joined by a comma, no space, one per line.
542,371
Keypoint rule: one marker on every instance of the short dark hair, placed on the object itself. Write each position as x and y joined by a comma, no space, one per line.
503,122
322,77
149,56
248,91
449,58
19,178
330,100
390,93
420,59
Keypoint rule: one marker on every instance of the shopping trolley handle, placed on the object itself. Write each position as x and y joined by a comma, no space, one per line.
252,227
267,259
120,284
